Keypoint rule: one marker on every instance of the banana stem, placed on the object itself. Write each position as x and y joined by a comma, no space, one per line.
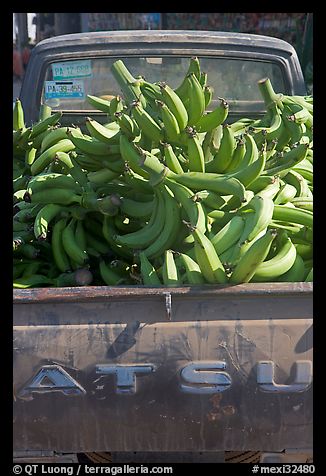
267,91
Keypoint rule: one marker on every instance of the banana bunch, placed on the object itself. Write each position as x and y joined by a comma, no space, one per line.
164,191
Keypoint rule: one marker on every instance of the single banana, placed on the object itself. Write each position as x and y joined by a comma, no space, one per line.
90,145
43,218
213,119
148,272
228,235
116,105
127,125
99,103
196,103
296,273
171,228
75,253
135,209
303,202
208,95
109,276
170,273
175,104
146,123
270,270
149,233
193,209
222,185
237,155
196,160
193,272
286,193
18,116
47,181
171,126
271,190
293,215
59,254
255,255
102,133
43,125
59,196
223,157
58,133
171,160
208,259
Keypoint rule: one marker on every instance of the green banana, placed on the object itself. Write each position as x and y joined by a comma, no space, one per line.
193,272
170,273
59,254
196,160
193,209
46,157
59,196
135,209
48,181
296,273
171,125
18,116
208,259
99,103
282,262
31,281
171,228
208,95
75,253
237,156
91,146
116,105
195,105
223,157
213,119
146,123
102,133
228,235
57,134
293,215
175,105
127,125
43,125
109,276
148,272
145,236
171,160
254,256
286,193
43,218
222,185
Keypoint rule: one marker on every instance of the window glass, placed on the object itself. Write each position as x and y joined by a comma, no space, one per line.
235,79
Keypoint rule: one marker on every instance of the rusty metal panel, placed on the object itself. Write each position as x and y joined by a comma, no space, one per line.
228,368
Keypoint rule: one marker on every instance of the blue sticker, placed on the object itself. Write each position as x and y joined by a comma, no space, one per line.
64,89
71,69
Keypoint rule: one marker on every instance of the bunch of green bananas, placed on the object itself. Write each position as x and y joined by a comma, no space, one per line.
166,192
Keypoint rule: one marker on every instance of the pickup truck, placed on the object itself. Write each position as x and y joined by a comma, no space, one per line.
157,374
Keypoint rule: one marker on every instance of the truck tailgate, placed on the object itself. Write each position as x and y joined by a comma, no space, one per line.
163,369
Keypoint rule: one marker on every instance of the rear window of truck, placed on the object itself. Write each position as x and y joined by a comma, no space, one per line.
67,83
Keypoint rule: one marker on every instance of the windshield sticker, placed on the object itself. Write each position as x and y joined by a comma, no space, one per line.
64,89
71,69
